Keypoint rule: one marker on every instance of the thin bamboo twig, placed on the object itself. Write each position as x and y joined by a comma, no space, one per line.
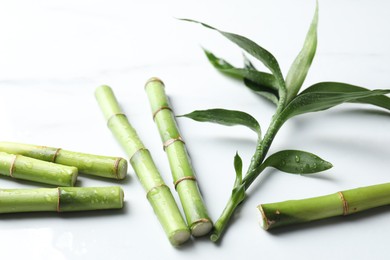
338,204
90,164
182,171
26,168
60,199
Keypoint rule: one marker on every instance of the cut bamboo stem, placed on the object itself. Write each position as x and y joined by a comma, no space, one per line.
338,204
60,199
158,194
90,164
26,168
179,160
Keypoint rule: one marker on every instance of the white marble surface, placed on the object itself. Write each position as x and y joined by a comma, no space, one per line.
53,54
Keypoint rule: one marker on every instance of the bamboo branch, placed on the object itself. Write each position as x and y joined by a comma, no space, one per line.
179,161
338,204
97,165
60,199
26,168
158,193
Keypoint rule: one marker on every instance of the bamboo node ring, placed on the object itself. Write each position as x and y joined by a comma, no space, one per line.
344,202
171,141
191,178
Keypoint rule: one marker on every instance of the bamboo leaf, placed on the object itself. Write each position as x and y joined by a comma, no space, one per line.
247,63
379,100
238,169
317,101
300,67
262,78
255,50
225,117
294,161
262,90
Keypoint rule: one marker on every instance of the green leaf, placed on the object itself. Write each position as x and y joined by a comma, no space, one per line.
238,169
255,50
300,67
317,101
379,100
217,62
262,90
225,117
247,63
262,78
294,161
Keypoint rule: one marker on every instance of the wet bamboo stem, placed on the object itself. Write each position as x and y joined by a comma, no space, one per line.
26,168
60,199
90,164
179,161
158,194
338,204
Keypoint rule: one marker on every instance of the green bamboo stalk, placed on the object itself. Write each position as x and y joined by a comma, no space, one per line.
158,193
60,199
338,204
26,168
97,165
179,160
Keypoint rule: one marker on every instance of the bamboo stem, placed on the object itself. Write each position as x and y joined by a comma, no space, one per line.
338,204
26,168
60,199
179,160
158,194
90,164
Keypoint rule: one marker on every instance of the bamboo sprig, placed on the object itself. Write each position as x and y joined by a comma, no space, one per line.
60,199
90,164
26,168
342,203
157,192
182,171
284,93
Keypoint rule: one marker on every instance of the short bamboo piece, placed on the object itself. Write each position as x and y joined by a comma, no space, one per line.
158,193
182,171
90,164
26,168
338,204
60,199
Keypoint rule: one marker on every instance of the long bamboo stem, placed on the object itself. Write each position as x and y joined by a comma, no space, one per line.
60,199
179,160
158,193
26,168
97,165
338,204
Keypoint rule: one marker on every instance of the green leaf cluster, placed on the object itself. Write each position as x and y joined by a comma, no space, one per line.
290,102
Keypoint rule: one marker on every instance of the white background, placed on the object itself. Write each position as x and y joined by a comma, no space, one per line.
53,54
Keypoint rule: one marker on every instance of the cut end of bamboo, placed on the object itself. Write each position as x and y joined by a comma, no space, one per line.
154,79
74,176
201,228
179,237
121,169
264,222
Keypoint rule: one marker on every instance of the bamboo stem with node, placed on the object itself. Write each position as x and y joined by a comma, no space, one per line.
338,204
182,171
157,192
26,168
90,164
60,199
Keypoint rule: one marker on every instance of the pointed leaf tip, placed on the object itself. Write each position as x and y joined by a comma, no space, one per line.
300,67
